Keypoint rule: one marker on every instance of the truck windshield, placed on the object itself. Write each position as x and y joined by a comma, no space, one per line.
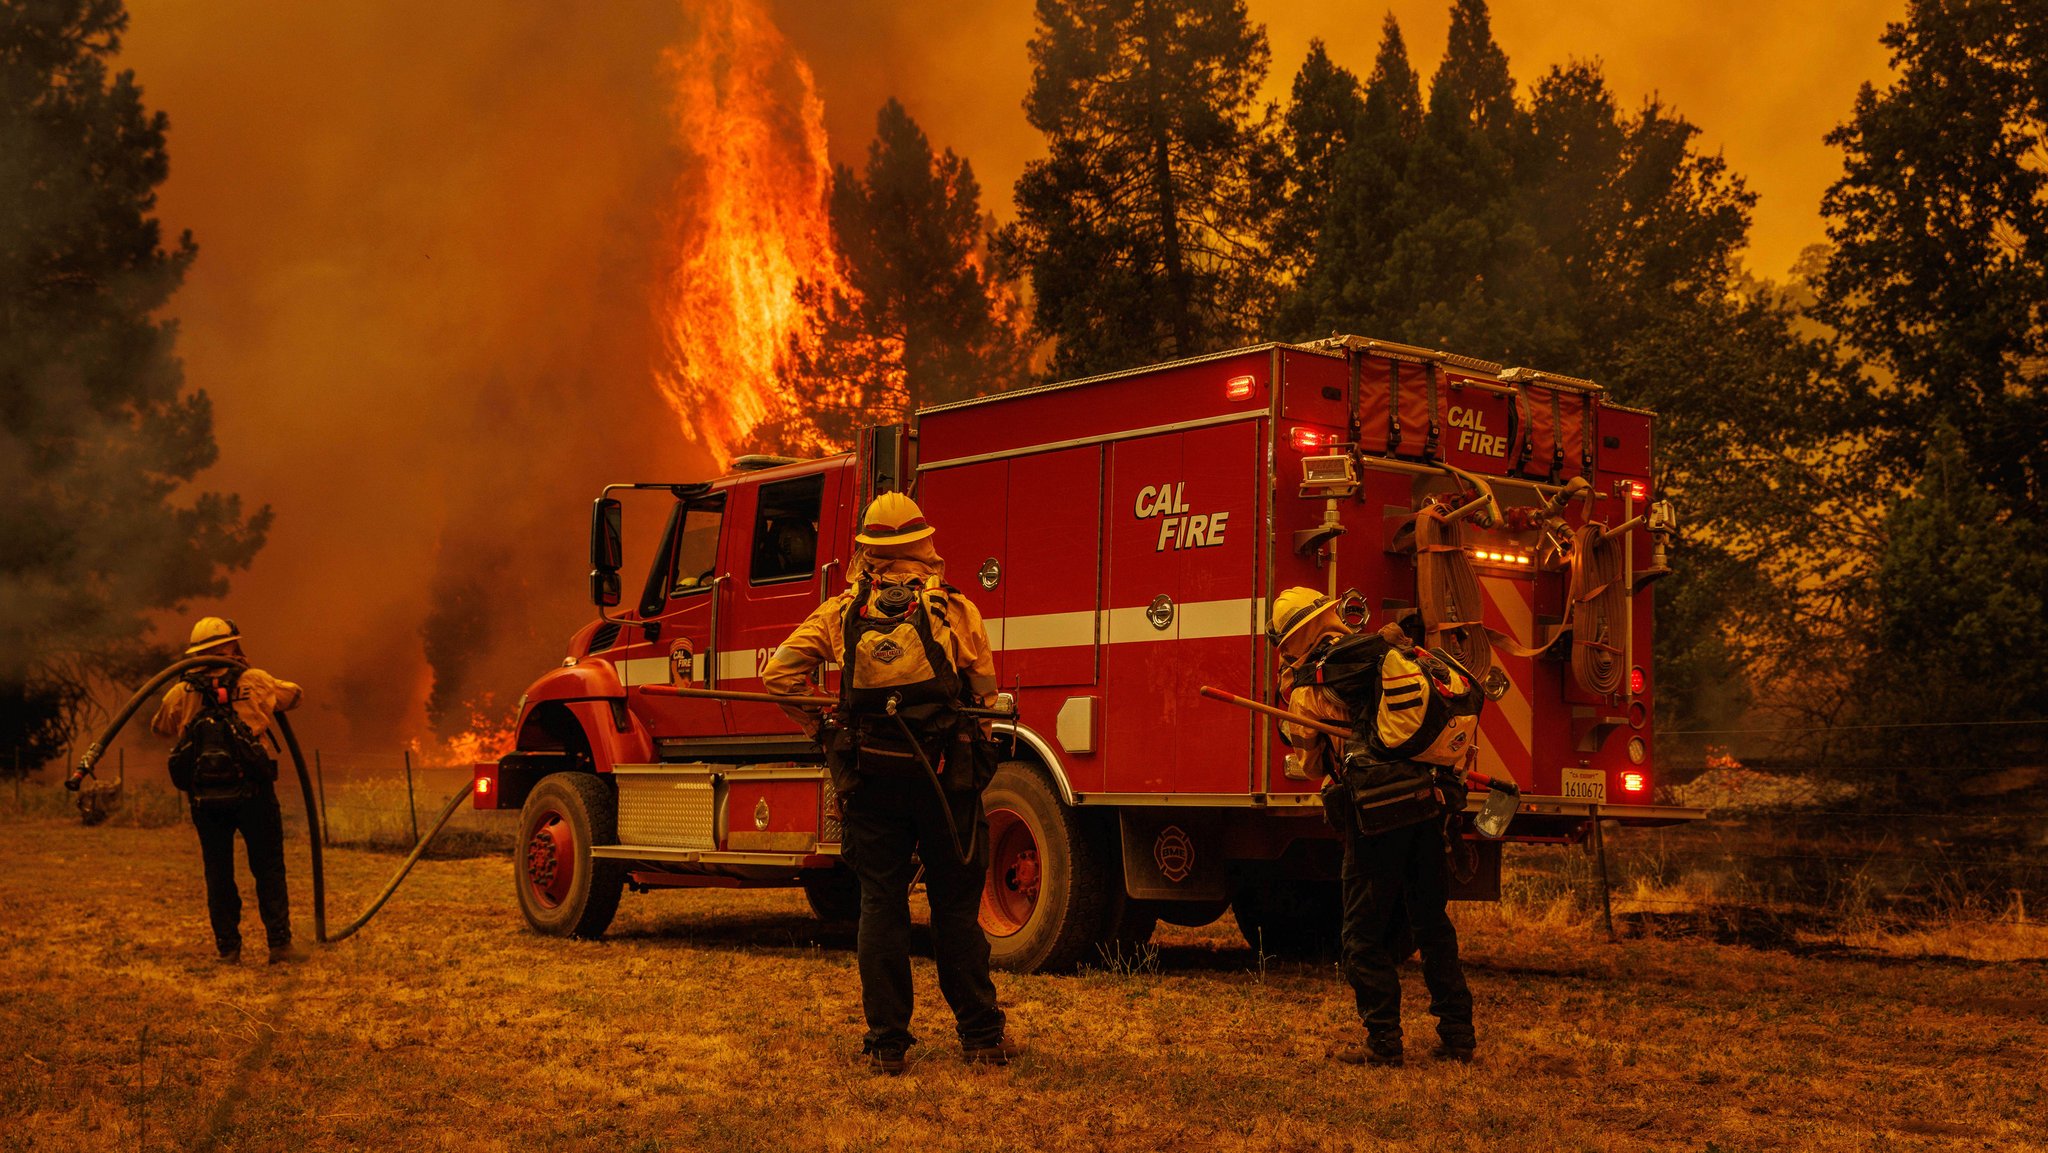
696,548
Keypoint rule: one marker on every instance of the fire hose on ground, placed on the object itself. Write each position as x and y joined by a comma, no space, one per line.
149,690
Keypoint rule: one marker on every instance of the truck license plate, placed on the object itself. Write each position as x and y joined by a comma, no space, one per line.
1586,785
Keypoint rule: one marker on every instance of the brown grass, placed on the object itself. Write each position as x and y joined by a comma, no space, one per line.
730,1021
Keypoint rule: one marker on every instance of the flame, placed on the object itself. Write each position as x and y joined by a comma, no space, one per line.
749,227
489,736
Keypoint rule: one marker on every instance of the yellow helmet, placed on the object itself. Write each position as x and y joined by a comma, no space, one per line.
892,518
1293,610
211,633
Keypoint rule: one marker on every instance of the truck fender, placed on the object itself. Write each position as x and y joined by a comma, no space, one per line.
1042,752
587,679
608,745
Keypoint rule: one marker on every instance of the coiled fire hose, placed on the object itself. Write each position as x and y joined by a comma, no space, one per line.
1599,599
1447,593
149,690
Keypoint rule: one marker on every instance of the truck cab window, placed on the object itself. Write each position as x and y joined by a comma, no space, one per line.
786,529
696,547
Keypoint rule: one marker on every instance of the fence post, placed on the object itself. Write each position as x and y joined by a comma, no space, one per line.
17,778
409,805
1600,853
320,781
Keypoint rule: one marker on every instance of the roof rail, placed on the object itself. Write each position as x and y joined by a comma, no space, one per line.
1367,344
1538,376
755,462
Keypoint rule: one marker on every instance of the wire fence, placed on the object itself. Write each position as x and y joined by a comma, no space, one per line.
367,799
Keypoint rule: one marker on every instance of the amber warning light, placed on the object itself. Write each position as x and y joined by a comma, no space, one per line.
1239,387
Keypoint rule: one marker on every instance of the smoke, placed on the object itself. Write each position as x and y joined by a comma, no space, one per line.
430,238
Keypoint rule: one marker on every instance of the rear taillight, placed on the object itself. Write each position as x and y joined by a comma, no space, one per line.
1240,387
1309,439
1632,782
1637,682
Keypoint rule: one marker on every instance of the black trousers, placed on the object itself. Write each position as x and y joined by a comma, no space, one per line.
1389,877
262,828
885,822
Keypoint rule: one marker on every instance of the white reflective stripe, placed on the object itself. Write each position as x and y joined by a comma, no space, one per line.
1196,620
732,666
1202,619
1043,631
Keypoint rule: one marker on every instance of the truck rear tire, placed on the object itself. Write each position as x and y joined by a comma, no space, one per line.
1045,902
563,890
1291,919
834,896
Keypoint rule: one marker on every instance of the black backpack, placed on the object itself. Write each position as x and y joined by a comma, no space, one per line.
892,654
218,760
1416,712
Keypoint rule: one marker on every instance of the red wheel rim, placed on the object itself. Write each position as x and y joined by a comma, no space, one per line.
550,859
1011,893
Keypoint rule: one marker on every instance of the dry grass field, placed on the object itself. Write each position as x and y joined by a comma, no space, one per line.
730,1021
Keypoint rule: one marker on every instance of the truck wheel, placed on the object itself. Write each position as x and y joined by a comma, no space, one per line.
834,896
1295,920
1045,900
563,890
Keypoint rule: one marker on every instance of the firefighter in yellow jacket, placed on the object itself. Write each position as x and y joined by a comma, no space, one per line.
909,770
247,805
1395,882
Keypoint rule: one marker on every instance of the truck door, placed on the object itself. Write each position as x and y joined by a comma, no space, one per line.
683,586
796,549
1183,511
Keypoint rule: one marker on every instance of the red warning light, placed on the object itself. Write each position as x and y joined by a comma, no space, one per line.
1637,682
1632,782
1639,490
1309,440
1239,387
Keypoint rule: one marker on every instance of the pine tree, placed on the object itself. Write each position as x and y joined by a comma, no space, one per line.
1142,229
920,319
1940,232
98,434
1326,113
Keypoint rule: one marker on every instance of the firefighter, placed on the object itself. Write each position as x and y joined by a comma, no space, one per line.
911,650
244,798
1396,882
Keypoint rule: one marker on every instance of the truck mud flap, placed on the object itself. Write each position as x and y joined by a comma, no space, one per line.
1173,855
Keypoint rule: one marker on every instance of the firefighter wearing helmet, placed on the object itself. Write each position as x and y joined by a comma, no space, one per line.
1395,879
908,769
220,718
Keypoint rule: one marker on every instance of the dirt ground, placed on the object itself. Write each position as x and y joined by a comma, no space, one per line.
730,1021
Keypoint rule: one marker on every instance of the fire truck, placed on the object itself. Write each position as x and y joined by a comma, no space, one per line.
1122,535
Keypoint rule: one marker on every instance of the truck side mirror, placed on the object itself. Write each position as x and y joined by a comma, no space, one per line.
607,536
604,588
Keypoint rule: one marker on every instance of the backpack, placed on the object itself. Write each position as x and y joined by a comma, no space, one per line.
217,759
1412,703
1417,714
893,656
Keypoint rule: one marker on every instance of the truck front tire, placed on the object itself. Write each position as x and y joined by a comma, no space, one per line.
1045,901
563,890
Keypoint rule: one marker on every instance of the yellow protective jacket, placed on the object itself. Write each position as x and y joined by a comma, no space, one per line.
1320,753
821,640
259,697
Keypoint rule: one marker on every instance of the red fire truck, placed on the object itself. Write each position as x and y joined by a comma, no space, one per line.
1122,535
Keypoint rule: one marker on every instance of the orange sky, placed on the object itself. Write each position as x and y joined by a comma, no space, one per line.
429,237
